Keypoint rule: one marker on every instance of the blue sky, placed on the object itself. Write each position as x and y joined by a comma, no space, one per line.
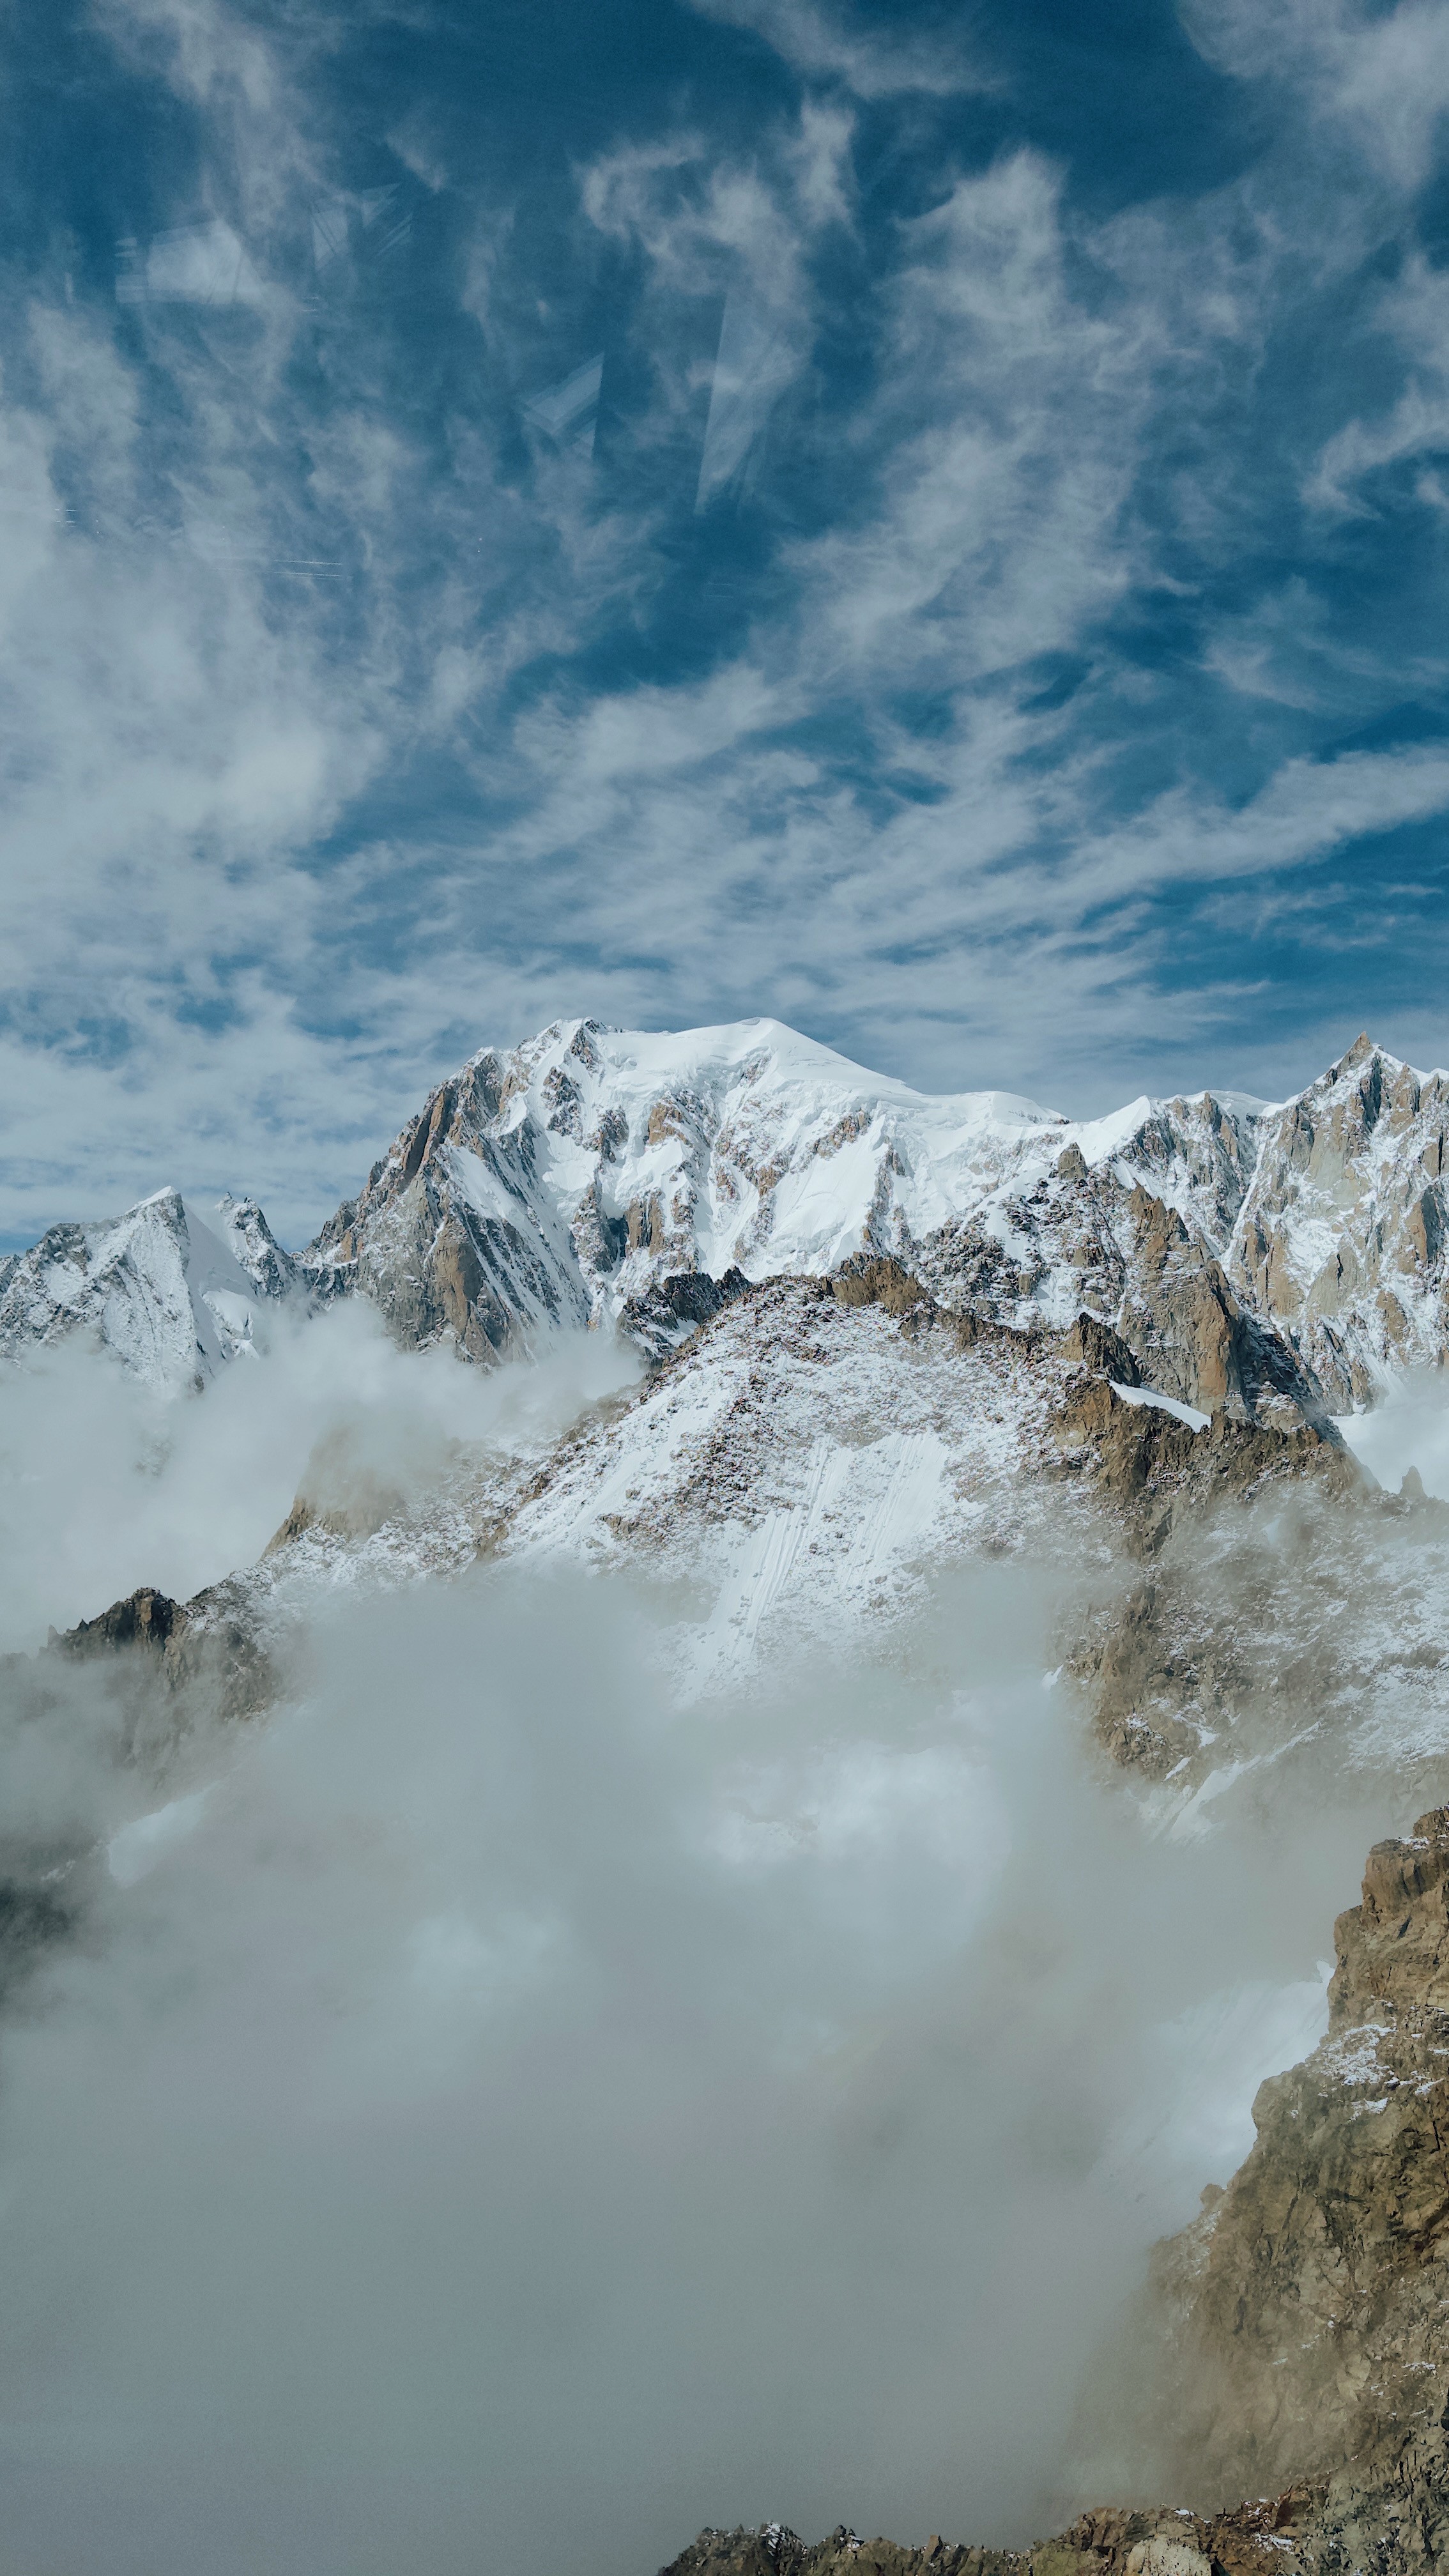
927,522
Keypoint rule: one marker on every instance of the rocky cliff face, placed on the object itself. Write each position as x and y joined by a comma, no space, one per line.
454,1234
1310,2302
166,1662
1342,1235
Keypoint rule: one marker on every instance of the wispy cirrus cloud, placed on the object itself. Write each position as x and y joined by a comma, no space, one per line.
1382,76
866,55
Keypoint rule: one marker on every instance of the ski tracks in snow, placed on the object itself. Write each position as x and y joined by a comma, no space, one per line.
864,1514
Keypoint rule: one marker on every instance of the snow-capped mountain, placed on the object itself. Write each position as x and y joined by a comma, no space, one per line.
174,1293
567,1177
1272,1260
567,1180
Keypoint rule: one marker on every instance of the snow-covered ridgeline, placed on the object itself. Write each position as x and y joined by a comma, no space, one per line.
562,1181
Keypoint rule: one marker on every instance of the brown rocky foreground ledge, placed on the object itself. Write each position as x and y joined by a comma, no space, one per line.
1258,2537
1293,2346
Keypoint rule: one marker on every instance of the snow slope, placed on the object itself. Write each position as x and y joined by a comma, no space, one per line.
793,1474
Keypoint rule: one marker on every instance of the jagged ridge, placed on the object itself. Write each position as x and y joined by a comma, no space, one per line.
1265,1261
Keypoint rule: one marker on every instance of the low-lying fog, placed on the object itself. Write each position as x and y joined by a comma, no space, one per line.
507,2120
106,1484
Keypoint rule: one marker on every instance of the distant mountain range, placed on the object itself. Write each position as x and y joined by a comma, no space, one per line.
1278,1262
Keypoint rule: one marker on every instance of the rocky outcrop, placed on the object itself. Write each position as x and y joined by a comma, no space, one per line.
675,1306
1248,2542
255,1249
1157,1463
137,1686
172,1663
1192,1337
1310,2302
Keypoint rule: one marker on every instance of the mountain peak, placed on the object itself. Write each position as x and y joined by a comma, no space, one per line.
1250,1254
174,1291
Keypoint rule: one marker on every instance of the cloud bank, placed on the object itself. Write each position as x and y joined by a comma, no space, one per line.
502,2115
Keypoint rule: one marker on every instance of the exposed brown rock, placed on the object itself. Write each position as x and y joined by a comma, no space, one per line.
1194,1339
1096,1347
193,1653
1154,1465
1161,1669
1267,2533
145,1618
1309,2304
878,1279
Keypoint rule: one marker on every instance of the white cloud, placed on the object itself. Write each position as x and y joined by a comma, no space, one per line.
1413,317
1381,79
825,44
